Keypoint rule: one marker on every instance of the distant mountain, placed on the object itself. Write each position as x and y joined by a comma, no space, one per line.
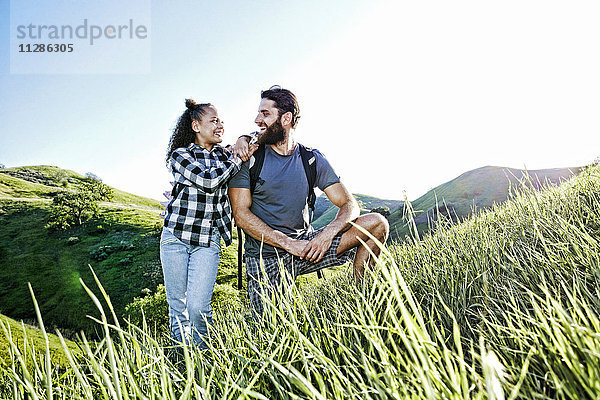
476,189
325,211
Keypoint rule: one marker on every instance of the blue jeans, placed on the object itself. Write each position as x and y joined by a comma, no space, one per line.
190,273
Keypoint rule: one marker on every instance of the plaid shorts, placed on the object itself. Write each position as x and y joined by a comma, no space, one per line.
261,283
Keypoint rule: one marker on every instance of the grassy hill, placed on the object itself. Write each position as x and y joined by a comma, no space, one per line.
42,181
503,305
325,211
21,334
474,190
121,245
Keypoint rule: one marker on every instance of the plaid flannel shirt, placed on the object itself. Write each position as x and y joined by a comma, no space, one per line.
201,200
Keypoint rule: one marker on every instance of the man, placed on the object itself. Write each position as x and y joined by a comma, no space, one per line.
275,215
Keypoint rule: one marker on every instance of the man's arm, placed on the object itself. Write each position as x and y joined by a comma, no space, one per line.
241,200
349,211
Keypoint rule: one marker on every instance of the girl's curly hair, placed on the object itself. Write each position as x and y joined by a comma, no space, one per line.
183,134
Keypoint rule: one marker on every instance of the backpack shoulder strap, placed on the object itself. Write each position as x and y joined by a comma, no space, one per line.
310,169
256,166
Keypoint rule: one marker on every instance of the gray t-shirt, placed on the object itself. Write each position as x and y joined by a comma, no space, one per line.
280,195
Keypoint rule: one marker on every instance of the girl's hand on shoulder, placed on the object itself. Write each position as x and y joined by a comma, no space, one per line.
241,149
244,150
251,149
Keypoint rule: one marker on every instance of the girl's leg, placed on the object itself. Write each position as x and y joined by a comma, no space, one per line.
174,257
202,274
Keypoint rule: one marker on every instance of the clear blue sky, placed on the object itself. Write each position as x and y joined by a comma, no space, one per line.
400,96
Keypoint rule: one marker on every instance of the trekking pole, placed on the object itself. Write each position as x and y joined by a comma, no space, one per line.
240,248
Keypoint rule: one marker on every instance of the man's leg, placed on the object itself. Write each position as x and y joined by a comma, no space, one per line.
263,280
376,225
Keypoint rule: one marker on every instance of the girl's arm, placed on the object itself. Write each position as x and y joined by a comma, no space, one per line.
205,178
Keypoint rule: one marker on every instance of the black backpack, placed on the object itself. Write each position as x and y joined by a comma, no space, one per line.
310,169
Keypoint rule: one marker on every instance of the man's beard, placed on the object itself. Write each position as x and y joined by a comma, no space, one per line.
273,134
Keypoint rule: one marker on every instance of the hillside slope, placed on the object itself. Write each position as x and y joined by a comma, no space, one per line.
325,211
504,305
476,189
20,332
42,181
121,245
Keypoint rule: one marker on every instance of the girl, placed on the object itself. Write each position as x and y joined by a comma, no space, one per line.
197,218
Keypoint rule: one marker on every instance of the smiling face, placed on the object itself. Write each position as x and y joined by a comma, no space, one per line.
209,130
267,114
272,130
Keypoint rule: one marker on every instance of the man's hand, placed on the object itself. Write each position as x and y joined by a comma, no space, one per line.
316,248
296,247
243,150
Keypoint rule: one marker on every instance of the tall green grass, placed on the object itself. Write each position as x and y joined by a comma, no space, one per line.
505,305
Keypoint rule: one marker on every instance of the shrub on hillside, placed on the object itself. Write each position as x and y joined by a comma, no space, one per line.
153,272
385,211
127,260
226,295
71,207
155,309
72,240
101,253
98,230
61,178
124,245
152,307
92,176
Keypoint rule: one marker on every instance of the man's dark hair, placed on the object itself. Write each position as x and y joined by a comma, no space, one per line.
285,101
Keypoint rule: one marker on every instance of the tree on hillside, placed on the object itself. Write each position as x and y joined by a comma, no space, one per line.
61,178
385,211
92,176
72,207
2,165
